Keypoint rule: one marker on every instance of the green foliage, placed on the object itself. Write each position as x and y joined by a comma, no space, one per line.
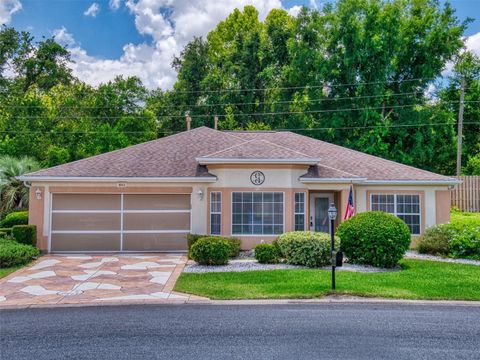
15,254
7,231
374,238
3,235
13,192
266,253
473,165
211,251
466,244
306,248
15,218
25,234
234,243
234,246
435,240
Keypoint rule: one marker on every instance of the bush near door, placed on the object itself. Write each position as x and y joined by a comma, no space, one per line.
234,243
15,218
374,238
306,248
266,253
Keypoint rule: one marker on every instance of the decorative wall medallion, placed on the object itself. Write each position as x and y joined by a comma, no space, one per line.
257,178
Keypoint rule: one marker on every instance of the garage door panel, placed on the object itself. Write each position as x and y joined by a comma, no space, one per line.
86,202
159,221
156,202
86,221
85,242
154,242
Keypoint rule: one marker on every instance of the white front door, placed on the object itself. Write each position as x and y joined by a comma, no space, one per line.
319,203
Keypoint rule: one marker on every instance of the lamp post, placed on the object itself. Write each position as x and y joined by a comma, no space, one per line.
332,214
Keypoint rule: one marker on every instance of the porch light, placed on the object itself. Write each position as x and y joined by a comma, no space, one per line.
200,194
332,212
38,194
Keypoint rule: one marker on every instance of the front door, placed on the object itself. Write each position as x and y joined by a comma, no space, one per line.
319,203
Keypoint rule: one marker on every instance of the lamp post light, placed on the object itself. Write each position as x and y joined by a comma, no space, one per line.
332,214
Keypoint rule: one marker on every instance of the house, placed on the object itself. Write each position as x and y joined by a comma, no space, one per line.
252,185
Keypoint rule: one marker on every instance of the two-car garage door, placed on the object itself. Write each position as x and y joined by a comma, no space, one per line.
119,222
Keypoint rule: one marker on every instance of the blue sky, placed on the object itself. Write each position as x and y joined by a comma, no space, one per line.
138,37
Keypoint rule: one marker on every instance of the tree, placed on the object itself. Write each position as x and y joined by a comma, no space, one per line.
13,192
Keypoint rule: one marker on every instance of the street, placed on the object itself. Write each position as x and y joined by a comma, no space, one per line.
296,331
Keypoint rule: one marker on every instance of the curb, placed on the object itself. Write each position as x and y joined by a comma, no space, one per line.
329,300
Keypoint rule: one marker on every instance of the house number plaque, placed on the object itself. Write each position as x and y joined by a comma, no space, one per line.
257,178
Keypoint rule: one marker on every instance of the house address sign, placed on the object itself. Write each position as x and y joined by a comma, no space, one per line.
257,178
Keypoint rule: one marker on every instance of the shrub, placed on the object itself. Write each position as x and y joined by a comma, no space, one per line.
466,244
435,240
25,234
374,238
266,253
3,235
210,251
306,248
15,254
6,230
233,242
15,218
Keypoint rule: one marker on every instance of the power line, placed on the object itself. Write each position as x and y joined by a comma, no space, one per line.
386,107
298,129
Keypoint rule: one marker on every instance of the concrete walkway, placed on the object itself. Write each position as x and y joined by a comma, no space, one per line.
94,279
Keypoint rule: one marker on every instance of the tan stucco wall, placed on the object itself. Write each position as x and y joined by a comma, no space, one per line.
442,206
36,216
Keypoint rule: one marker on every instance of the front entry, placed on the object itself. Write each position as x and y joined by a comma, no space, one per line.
319,203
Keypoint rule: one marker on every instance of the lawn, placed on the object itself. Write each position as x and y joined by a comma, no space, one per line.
7,271
417,280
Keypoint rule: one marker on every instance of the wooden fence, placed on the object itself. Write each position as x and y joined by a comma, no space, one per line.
466,196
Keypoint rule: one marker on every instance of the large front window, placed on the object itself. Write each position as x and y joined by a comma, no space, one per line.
406,207
257,213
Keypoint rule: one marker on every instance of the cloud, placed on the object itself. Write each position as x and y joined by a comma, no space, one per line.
294,10
114,4
473,43
92,10
7,9
63,37
171,25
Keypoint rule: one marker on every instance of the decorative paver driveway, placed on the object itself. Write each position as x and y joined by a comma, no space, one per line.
94,279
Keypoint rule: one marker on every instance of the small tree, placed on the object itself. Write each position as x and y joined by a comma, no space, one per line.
13,192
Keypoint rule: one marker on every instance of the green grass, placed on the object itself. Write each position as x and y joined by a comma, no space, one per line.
417,280
7,271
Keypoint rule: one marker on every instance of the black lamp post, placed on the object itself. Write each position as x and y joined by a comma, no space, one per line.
332,214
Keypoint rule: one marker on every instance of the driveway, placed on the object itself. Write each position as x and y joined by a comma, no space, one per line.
94,279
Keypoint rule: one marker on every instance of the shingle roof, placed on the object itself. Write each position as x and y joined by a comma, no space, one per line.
175,156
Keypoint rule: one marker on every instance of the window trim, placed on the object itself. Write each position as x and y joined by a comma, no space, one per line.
420,207
253,192
304,213
215,212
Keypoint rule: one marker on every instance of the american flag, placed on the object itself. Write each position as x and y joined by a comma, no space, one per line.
350,208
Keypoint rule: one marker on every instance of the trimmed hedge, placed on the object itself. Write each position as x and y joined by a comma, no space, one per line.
211,250
233,242
6,230
3,235
15,218
374,238
15,254
306,248
266,253
25,234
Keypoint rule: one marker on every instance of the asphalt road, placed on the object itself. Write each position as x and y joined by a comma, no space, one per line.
306,331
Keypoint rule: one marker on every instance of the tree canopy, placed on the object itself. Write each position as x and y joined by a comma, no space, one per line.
358,73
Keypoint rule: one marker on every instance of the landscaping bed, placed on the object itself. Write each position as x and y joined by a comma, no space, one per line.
418,279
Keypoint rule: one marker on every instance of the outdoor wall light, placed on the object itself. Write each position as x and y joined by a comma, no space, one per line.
200,194
38,194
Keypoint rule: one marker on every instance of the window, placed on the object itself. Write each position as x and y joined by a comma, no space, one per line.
406,207
215,213
257,213
299,211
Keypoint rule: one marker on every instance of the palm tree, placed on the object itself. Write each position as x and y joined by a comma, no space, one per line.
13,192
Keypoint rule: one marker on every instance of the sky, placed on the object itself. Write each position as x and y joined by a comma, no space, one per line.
141,37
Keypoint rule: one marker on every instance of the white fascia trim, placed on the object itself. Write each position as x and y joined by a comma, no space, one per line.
412,182
206,161
183,179
332,180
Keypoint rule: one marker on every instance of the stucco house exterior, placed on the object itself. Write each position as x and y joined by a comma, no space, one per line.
252,185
